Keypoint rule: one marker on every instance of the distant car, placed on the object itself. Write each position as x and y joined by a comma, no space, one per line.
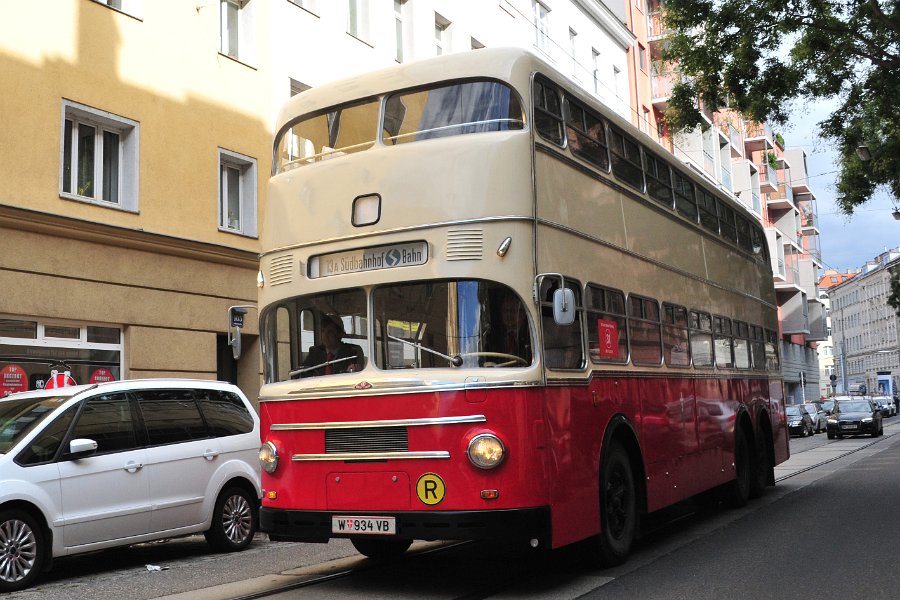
886,404
828,406
818,416
89,467
855,417
799,421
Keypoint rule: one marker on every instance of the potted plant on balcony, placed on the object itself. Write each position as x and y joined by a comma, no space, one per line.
772,160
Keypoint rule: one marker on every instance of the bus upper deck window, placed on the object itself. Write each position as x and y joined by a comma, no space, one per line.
341,130
449,110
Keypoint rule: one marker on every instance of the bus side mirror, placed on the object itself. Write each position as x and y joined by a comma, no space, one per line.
564,306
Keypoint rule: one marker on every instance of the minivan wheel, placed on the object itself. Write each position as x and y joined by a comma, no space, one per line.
234,521
21,550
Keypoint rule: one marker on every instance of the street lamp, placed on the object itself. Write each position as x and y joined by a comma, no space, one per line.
862,151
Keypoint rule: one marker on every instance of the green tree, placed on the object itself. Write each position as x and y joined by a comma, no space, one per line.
894,297
759,57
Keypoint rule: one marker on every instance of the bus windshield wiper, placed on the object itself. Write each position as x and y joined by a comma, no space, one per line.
454,360
296,372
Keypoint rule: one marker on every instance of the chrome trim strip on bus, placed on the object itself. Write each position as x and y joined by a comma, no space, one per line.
387,423
370,456
394,388
585,380
383,232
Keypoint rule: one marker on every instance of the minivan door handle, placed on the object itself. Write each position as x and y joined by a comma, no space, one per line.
210,454
133,467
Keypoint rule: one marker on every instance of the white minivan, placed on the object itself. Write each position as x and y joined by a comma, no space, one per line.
95,466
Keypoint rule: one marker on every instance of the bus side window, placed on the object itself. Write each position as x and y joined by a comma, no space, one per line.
741,345
724,350
676,349
685,201
607,327
643,328
562,343
547,111
701,339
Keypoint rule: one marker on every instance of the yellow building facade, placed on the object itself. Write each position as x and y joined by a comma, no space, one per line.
135,148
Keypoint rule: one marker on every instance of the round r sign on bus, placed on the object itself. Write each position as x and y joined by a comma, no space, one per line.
430,489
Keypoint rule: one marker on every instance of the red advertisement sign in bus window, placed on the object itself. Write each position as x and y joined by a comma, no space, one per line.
12,379
101,375
609,338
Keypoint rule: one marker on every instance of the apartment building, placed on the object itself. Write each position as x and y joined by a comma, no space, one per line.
828,368
752,163
137,145
864,327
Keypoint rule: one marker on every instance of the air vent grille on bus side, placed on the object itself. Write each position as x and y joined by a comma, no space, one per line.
465,244
367,439
281,270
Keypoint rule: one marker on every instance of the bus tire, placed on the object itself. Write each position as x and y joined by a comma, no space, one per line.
761,466
737,491
618,507
380,548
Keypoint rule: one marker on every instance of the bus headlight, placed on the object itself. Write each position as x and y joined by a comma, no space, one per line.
268,457
486,451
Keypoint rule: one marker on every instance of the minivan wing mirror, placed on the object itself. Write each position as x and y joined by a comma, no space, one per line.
81,447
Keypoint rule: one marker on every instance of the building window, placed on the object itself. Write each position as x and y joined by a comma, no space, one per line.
237,193
541,25
129,7
617,81
573,35
595,63
400,28
236,19
99,157
441,34
309,5
358,19
297,87
642,58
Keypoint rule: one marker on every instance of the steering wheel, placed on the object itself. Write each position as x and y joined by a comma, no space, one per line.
511,359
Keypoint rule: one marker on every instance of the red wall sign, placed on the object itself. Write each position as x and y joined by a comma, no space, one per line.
609,338
12,379
102,375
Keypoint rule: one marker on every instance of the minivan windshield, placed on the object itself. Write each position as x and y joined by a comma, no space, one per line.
20,416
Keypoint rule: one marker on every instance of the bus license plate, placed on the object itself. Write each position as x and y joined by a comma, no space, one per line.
364,525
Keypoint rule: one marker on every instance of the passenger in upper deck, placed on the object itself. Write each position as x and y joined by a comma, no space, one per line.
332,355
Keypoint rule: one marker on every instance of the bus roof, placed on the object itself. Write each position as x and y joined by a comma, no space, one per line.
508,64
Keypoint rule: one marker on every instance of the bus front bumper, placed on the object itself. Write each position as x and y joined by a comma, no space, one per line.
511,524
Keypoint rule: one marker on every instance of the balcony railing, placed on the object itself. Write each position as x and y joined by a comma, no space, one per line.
661,84
757,205
760,130
655,26
809,219
726,179
785,193
767,175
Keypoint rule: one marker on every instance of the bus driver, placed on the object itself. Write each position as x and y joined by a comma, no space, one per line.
332,355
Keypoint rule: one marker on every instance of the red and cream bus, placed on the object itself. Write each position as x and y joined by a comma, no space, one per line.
492,308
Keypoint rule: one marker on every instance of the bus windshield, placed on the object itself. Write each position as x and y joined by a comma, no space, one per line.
439,111
420,325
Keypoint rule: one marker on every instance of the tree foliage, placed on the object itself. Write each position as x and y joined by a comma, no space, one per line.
894,297
763,57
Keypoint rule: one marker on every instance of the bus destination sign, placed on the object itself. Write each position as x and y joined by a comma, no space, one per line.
368,259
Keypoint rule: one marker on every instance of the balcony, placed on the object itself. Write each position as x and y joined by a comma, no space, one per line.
809,220
655,27
768,177
758,136
811,247
661,85
782,198
726,179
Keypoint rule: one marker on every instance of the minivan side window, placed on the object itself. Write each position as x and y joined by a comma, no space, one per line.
171,416
107,420
44,447
225,413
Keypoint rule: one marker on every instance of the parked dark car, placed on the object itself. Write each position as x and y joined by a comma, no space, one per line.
818,416
799,421
828,406
855,417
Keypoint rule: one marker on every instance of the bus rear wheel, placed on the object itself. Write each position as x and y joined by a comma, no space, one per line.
380,548
618,507
737,492
762,466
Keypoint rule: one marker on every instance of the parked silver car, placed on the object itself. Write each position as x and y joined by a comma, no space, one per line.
818,416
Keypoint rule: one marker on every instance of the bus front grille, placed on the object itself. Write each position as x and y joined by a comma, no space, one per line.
366,439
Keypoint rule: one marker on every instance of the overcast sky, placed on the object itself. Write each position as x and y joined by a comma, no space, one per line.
845,243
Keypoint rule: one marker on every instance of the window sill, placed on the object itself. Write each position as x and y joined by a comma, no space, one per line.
95,202
360,40
251,236
237,60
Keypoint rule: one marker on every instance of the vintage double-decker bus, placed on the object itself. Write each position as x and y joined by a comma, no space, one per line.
492,308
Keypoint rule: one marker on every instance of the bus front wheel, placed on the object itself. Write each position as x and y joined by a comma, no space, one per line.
381,548
618,507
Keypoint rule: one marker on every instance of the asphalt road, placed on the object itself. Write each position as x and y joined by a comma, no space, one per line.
827,530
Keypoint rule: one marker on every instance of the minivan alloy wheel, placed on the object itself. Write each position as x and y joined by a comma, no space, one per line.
237,518
18,550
